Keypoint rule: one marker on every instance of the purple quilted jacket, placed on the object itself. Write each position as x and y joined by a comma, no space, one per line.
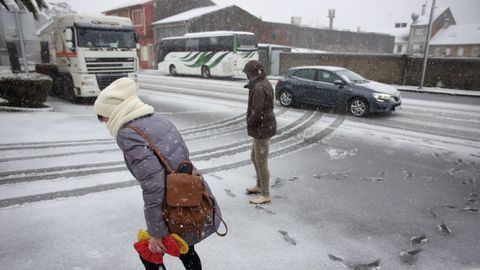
147,169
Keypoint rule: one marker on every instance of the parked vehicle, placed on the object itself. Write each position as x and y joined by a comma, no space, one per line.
216,53
87,53
336,87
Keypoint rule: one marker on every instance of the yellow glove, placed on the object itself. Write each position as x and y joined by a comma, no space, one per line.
181,243
142,235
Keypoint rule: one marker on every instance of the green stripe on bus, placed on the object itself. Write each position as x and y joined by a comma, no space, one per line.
203,59
218,60
192,58
186,56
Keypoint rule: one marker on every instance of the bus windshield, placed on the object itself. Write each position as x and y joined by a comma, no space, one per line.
105,38
246,42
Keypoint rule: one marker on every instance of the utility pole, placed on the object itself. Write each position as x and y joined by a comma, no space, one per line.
427,44
22,40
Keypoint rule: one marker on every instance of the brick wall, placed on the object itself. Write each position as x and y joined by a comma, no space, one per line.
460,73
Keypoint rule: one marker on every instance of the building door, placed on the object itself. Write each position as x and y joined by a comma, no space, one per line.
275,63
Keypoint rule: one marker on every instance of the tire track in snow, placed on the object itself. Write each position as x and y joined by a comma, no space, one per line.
227,126
96,168
129,183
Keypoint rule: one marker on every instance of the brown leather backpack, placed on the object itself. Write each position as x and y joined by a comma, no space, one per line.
187,206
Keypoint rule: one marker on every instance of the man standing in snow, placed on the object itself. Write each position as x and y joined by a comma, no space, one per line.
261,125
118,106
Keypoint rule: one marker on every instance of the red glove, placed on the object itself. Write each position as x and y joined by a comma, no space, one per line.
171,245
146,254
156,257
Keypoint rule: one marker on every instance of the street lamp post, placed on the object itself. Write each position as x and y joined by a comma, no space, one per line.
427,44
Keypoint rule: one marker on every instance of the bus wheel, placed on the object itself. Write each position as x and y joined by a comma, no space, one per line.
173,70
206,72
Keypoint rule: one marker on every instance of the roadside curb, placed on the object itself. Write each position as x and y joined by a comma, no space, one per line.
464,93
20,109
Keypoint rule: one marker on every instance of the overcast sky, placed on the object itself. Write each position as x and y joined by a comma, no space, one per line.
350,14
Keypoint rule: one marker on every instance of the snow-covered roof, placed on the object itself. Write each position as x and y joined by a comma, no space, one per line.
424,19
462,34
44,27
400,34
210,34
129,4
190,14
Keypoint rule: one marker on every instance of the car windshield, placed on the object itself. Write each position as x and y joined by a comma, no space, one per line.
351,76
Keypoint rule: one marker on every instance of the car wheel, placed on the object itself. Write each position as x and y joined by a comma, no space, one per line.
206,72
286,98
173,70
358,107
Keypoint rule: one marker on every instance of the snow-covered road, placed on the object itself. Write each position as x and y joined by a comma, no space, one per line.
357,189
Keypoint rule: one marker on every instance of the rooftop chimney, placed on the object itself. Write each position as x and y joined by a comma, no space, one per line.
331,15
424,9
296,21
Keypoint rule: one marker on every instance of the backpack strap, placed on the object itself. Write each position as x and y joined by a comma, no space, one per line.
154,148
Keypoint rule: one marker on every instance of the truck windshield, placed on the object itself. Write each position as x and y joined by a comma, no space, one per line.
105,38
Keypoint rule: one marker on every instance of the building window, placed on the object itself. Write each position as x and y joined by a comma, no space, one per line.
460,51
399,48
420,32
448,51
437,52
274,35
476,51
137,17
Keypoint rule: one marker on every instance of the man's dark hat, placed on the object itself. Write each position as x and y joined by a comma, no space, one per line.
253,65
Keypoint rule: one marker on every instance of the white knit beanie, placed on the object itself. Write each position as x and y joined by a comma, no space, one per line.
113,95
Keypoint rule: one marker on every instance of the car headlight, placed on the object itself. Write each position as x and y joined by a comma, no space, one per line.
381,97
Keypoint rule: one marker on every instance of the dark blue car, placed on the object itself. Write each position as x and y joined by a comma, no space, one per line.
336,87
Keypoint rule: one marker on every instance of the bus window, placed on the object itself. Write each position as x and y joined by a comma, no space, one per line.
246,42
192,44
206,45
178,45
225,43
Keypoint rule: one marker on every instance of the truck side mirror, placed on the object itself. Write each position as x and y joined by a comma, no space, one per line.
68,35
69,45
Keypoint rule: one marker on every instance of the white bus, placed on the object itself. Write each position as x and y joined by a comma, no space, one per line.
217,53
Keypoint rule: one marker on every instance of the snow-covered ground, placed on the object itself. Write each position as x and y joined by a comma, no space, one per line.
346,192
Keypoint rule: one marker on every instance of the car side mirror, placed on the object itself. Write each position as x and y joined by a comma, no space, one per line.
339,83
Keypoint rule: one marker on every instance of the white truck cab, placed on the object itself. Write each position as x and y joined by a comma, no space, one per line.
89,52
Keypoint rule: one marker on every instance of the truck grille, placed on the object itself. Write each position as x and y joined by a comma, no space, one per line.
105,80
104,65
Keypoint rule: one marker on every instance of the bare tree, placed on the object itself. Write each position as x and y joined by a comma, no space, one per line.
29,5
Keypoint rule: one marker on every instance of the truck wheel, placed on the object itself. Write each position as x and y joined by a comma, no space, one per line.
67,88
57,86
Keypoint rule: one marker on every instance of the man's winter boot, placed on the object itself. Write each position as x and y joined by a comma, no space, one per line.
253,190
261,200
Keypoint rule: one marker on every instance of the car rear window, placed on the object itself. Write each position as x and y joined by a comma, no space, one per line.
307,74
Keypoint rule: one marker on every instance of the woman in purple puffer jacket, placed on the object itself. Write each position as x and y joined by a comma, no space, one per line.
119,105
